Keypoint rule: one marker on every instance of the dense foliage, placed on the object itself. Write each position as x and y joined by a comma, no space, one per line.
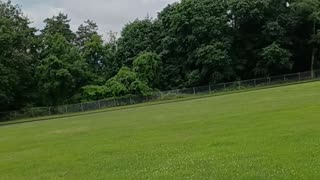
191,43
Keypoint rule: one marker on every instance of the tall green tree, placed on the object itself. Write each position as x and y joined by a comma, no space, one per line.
62,70
17,58
258,26
136,37
99,58
309,12
85,32
59,24
189,30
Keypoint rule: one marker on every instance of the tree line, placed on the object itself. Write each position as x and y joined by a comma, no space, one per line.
190,43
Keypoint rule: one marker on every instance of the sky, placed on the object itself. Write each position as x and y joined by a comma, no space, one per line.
110,15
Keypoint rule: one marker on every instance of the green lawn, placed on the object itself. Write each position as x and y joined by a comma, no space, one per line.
265,134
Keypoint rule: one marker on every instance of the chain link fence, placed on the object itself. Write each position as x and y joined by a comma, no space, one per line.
156,96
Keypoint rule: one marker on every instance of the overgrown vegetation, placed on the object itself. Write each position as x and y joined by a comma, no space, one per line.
190,43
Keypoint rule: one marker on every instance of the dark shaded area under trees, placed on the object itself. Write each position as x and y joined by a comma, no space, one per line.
191,43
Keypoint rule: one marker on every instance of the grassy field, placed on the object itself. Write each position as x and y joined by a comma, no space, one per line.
265,134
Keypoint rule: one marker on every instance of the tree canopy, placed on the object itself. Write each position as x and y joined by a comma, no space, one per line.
190,43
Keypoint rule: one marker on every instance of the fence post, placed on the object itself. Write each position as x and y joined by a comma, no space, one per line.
66,108
209,89
114,101
81,107
15,114
284,77
255,82
224,86
99,104
32,112
130,99
299,76
49,111
194,91
239,84
269,80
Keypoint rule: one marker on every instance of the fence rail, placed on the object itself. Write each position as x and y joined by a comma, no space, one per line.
179,93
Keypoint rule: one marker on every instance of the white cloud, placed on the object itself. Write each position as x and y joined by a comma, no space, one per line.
108,14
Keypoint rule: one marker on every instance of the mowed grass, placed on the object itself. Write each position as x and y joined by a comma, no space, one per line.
265,134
